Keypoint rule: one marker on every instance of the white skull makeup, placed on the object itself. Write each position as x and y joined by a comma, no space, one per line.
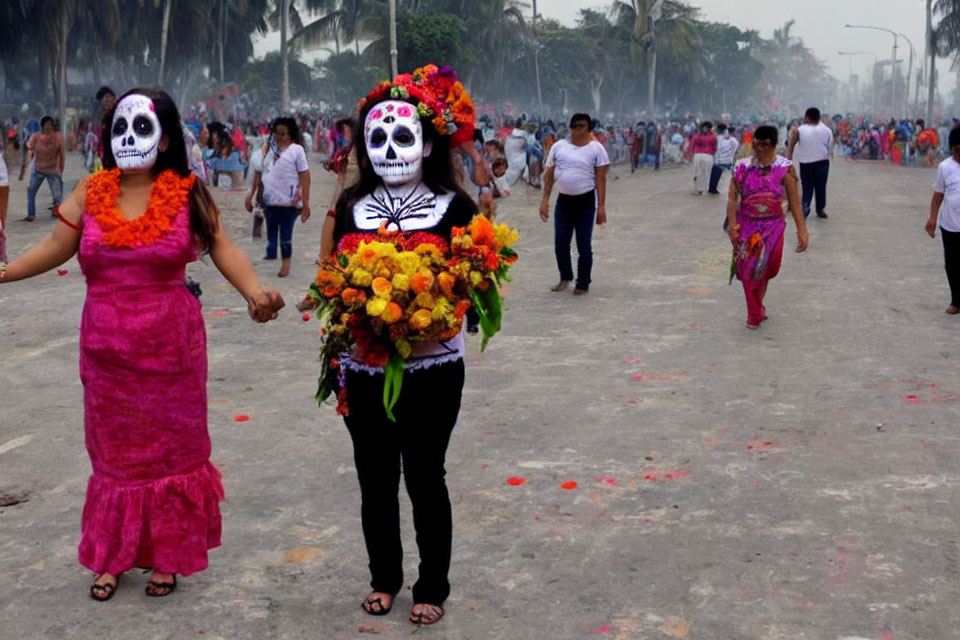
135,133
394,141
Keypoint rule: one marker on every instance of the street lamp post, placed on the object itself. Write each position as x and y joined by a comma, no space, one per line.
893,65
873,84
393,39
906,99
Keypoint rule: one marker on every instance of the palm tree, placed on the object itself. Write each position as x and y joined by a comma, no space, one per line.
944,40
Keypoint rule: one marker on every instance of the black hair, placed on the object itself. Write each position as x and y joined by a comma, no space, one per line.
721,128
102,91
706,124
218,128
45,119
478,136
292,128
812,114
204,214
582,117
439,174
344,122
766,132
954,139
921,123
731,130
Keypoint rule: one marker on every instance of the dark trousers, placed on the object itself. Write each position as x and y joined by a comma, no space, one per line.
280,220
951,261
715,173
426,414
574,214
813,179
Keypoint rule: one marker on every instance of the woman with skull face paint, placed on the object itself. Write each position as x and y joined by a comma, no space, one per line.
152,500
407,182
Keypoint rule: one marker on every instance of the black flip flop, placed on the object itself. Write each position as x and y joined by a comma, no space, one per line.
156,586
417,618
97,590
369,602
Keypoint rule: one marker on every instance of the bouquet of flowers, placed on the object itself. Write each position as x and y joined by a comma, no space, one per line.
380,294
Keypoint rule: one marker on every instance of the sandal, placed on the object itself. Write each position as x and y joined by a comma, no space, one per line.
161,589
103,592
371,602
424,616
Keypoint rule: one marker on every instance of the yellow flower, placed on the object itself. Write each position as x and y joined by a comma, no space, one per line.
505,235
361,278
401,282
376,306
443,310
408,262
403,348
425,300
475,278
421,319
382,287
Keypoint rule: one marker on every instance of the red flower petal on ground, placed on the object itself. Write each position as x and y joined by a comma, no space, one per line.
241,418
514,481
568,485
306,317
62,272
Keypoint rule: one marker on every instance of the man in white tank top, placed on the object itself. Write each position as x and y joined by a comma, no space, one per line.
810,146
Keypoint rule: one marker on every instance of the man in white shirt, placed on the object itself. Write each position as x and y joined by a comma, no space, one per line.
810,146
579,164
727,146
945,205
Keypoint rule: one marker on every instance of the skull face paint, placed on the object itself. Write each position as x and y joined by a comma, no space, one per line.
394,141
135,133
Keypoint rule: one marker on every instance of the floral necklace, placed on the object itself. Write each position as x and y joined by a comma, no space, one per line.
167,197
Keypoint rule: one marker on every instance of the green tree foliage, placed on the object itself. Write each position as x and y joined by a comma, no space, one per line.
345,78
428,38
264,79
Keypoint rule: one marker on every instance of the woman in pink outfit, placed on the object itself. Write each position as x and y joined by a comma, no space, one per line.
756,223
703,146
152,500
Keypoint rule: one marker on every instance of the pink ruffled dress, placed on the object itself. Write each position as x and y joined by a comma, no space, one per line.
153,498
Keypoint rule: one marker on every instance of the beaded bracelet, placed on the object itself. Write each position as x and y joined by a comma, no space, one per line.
3,270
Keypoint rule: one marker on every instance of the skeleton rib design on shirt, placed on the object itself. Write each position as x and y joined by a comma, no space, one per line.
420,209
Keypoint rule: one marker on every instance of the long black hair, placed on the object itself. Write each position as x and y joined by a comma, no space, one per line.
292,128
439,174
204,214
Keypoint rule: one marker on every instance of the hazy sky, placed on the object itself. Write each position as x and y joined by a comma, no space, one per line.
819,22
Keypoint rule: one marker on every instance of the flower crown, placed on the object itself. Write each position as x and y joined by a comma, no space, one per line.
438,96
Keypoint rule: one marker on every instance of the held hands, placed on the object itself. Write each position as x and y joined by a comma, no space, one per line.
264,304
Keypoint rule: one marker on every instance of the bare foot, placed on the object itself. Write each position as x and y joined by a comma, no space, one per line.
161,584
952,310
560,286
422,613
378,603
103,587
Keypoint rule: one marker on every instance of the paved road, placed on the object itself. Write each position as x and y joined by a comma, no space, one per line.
796,482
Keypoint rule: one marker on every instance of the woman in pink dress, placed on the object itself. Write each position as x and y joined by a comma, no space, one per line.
756,224
152,500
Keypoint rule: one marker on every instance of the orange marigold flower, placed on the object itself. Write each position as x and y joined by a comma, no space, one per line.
461,309
393,313
446,280
481,230
421,319
351,296
382,287
421,281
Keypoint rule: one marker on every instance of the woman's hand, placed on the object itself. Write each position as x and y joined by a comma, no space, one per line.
931,227
802,239
264,305
305,213
248,203
733,232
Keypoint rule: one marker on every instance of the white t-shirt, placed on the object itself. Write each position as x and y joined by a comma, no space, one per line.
4,178
813,143
948,183
281,177
576,166
726,149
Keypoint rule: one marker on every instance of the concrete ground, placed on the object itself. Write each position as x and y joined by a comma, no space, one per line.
796,482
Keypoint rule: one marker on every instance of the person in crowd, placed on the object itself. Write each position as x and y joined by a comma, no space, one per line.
650,142
515,148
48,154
286,189
927,143
152,500
227,160
755,218
727,146
945,209
579,167
4,199
810,147
703,146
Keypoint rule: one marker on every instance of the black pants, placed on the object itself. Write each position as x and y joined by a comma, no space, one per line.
426,414
715,173
575,214
813,179
951,261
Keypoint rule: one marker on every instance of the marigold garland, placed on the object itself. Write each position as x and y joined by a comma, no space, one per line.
167,197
